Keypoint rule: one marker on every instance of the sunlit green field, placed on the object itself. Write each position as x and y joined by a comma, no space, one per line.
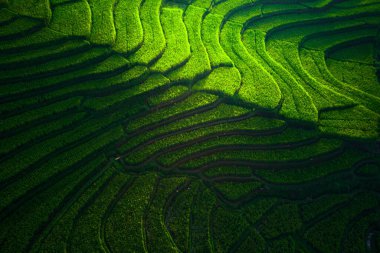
190,126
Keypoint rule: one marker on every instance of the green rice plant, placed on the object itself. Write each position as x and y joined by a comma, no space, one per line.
34,40
322,96
178,215
24,159
15,141
102,28
223,8
153,82
70,62
224,79
314,62
155,230
32,115
18,27
354,122
221,112
36,9
129,30
57,237
198,63
200,230
168,95
193,102
223,222
236,190
251,124
243,15
90,84
57,164
257,209
16,239
154,40
321,205
327,233
283,219
127,218
228,171
283,245
177,47
39,55
73,19
210,37
324,146
296,104
287,138
257,86
86,233
253,243
359,230
298,175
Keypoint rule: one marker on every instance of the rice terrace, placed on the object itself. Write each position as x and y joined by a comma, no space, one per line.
190,126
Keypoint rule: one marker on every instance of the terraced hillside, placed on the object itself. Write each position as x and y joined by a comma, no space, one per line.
190,126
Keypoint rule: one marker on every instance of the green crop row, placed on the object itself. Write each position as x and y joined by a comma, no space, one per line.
31,155
18,27
225,220
168,95
129,30
224,79
82,87
42,54
124,227
297,175
178,216
157,236
221,112
32,115
348,122
177,46
251,124
353,241
200,220
286,138
323,97
39,9
228,171
282,219
321,205
257,86
296,104
236,190
210,36
154,40
12,142
153,82
56,239
70,62
193,102
198,63
327,234
253,243
323,146
32,214
102,27
58,164
72,19
32,41
87,232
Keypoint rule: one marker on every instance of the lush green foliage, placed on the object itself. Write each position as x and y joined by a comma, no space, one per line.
189,126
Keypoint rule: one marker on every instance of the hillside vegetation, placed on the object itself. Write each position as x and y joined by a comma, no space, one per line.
190,126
